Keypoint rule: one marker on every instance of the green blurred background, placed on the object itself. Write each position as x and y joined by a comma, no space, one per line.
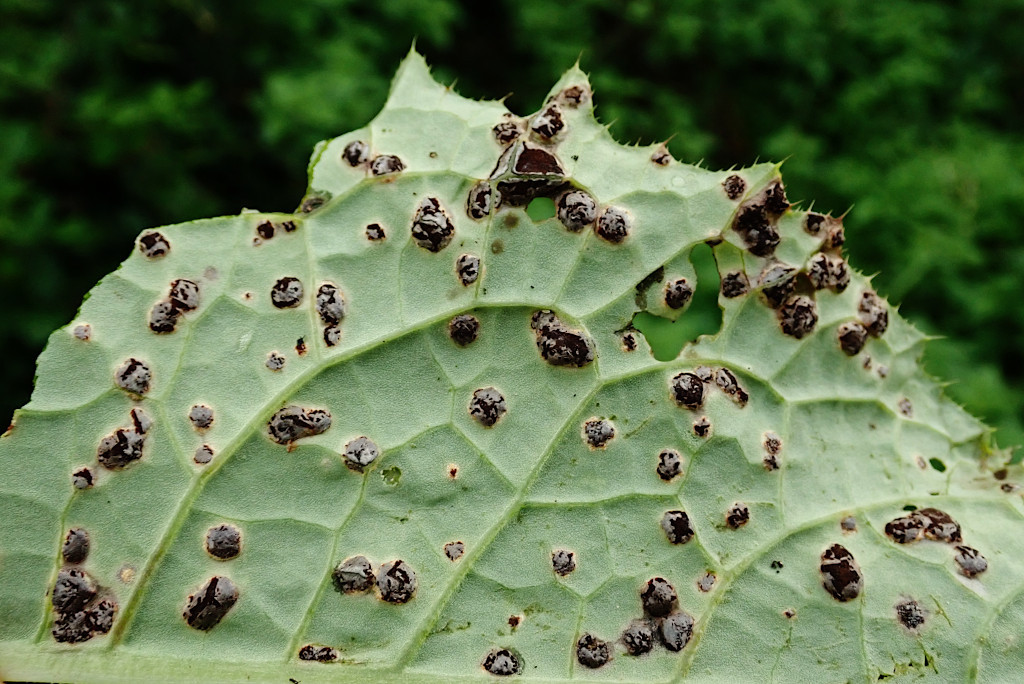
117,116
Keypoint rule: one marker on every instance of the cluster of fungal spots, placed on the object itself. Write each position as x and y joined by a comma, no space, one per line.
201,417
840,574
182,297
910,614
395,581
134,377
286,293
267,229
935,525
454,550
124,446
597,432
757,219
829,228
676,526
464,329
210,603
737,515
154,245
223,541
772,449
872,321
559,344
688,390
432,227
275,361
83,332
357,154
375,232
827,271
487,406
318,653
331,307
467,269
670,464
563,561
294,422
82,610
502,662
360,453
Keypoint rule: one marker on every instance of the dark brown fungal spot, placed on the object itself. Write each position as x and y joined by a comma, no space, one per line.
1001,474
184,295
638,638
82,332
201,416
852,336
772,443
286,293
453,471
735,284
289,226
396,582
535,161
82,478
775,201
312,203
293,422
467,268
275,361
939,525
576,210
905,529
687,390
592,652
702,427
203,455
613,225
318,653
432,229
514,620
706,582
76,545
835,237
597,432
840,573
356,153
670,464
830,272
353,575
777,284
873,313
628,342
563,562
163,317
574,96
265,229
549,122
208,606
734,186
360,453
678,293
910,614
330,304
502,662
73,590
905,407
154,245
727,382
223,541
753,225
507,131
970,561
385,164
676,525
454,550
560,345
737,516
848,524
375,232
798,316
789,613
1010,487
133,376
676,630
120,448
487,406
519,192
464,329
332,335
479,202
813,223
661,156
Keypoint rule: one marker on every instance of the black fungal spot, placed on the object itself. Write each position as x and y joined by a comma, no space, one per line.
203,455
318,653
873,313
396,582
502,662
375,232
670,464
905,407
133,376
73,590
638,638
737,516
813,223
121,448
454,550
79,626
598,432
431,228
223,541
852,336
789,613
507,131
707,582
661,157
734,187
775,201
734,285
82,478
313,202
727,382
356,153
676,525
798,316
628,342
777,283
487,406
154,245
208,606
275,361
479,202
289,226
848,524
678,293
549,122
514,620
687,390
613,225
286,293
330,304
830,272
163,317
1007,487
592,652
82,332
265,229
676,631
184,295
332,335
385,164
463,329
970,561
910,614
702,427
576,210
76,545
563,561
560,345
906,529
293,422
467,268
535,161
840,573
777,565
353,575
201,416
360,453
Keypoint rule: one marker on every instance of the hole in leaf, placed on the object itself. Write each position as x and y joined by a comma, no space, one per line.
704,317
937,464
541,209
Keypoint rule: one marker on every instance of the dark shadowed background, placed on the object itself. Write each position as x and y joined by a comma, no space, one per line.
118,116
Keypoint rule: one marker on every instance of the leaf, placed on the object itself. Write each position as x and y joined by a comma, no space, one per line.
250,404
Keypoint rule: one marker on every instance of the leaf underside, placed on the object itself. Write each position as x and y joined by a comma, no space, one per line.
538,438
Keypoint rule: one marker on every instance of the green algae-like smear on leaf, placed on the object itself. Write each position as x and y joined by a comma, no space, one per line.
503,443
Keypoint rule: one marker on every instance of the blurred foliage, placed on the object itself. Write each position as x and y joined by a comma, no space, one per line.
116,116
